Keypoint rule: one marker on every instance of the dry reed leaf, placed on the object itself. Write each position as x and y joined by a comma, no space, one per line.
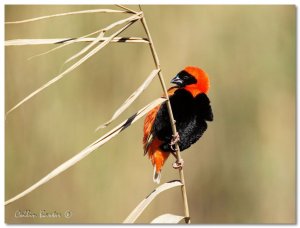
94,41
72,67
64,43
123,7
133,216
82,154
67,41
20,42
131,98
84,50
101,35
168,218
66,14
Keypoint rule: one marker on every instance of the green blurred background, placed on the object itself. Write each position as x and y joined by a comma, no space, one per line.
241,171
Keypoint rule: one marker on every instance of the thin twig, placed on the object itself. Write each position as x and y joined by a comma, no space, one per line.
174,130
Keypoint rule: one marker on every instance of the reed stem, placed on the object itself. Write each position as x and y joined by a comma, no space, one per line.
172,121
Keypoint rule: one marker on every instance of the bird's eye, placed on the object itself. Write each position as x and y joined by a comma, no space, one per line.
185,77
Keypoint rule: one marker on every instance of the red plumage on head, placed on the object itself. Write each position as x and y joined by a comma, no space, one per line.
202,85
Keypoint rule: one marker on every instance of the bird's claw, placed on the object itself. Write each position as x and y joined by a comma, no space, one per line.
175,139
173,148
178,164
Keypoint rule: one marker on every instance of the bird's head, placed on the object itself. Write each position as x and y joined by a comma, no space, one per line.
193,79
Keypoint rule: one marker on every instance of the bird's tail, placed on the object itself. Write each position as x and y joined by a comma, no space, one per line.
158,159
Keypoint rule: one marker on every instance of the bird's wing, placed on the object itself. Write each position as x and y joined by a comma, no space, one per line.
148,135
149,121
203,104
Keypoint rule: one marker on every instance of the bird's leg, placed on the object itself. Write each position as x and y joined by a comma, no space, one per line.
174,140
179,163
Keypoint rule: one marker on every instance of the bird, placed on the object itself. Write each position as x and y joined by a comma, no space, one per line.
191,110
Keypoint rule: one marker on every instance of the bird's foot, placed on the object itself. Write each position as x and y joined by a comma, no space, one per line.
178,164
175,139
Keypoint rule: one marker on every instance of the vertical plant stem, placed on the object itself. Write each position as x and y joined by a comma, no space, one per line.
174,130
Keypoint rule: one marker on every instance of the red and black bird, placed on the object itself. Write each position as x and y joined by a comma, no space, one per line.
191,109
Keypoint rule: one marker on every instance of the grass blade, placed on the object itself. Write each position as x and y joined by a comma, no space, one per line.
127,9
20,42
89,149
84,50
168,218
132,217
65,43
101,35
66,14
131,98
72,67
97,39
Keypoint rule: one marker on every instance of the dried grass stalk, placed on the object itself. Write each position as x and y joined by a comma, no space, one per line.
171,117
131,98
101,35
126,8
63,44
82,154
133,216
84,50
66,14
72,67
168,218
20,42
94,41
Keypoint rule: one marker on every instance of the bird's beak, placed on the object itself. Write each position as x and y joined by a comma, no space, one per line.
176,80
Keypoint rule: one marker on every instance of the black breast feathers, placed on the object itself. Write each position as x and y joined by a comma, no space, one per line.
190,113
